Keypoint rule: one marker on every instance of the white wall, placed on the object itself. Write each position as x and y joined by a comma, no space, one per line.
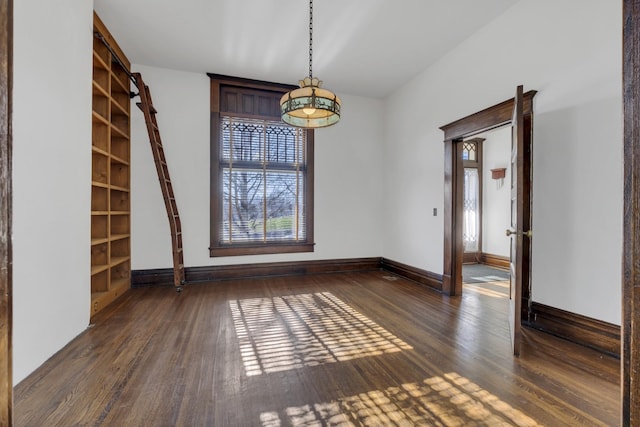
348,160
570,52
51,177
496,197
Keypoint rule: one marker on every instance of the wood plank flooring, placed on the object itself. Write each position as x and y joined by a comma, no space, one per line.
367,349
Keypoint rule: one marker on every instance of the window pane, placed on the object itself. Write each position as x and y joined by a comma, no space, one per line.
470,215
283,206
242,206
242,140
282,143
246,196
248,140
469,151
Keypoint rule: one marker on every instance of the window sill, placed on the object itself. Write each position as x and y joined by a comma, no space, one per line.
260,249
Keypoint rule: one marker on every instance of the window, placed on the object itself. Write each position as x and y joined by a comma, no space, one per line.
261,172
472,198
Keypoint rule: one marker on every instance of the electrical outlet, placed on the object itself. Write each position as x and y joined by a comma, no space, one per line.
435,211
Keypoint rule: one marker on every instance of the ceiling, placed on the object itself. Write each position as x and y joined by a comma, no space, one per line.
360,47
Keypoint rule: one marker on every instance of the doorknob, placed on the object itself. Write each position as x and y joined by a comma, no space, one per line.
509,232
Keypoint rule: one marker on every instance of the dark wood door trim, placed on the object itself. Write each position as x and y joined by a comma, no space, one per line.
631,222
6,312
518,241
487,119
454,132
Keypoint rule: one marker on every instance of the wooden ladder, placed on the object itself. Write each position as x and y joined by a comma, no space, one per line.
146,105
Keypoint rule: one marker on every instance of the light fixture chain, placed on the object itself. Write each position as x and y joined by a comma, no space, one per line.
310,38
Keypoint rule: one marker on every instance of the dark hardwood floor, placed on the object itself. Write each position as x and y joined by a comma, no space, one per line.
336,349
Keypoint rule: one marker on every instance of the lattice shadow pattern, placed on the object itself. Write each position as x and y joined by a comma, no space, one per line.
448,400
290,332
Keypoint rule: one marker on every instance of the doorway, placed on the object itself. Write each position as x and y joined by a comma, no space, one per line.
455,133
486,212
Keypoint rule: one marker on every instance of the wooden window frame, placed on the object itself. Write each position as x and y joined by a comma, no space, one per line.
266,108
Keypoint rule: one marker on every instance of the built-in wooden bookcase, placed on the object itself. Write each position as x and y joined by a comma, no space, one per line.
110,174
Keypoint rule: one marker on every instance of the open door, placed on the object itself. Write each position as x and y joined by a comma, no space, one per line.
6,260
516,232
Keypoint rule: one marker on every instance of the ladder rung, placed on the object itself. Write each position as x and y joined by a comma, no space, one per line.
152,109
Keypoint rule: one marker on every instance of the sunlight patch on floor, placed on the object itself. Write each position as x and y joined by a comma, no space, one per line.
484,289
448,400
294,331
486,278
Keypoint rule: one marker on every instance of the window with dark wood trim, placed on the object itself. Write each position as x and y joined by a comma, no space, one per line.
472,199
261,172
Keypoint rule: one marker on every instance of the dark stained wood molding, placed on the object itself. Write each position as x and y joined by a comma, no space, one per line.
497,261
631,222
164,276
415,274
450,219
6,256
471,258
487,119
453,243
250,83
596,334
264,249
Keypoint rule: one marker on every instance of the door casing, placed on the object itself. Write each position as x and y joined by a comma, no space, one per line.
490,118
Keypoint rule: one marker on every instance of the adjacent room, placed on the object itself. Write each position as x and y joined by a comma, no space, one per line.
430,235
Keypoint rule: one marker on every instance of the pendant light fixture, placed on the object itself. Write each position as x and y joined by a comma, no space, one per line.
310,106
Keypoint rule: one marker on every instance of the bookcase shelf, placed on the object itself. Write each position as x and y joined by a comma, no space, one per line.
115,128
98,118
99,89
110,174
98,241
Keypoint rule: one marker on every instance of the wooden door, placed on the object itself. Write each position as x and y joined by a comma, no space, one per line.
517,220
6,283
